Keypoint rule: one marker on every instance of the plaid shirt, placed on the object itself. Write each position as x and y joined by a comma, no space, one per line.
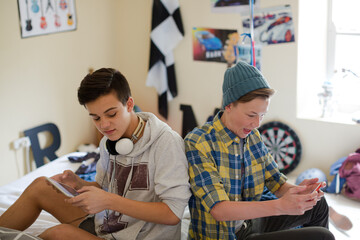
220,170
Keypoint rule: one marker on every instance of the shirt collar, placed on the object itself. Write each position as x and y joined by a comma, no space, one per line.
227,136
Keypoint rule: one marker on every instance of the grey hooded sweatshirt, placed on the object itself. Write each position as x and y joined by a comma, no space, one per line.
159,171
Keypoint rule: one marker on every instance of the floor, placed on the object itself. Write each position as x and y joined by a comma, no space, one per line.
344,206
349,208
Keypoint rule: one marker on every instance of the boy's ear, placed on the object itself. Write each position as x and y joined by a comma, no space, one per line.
130,104
228,107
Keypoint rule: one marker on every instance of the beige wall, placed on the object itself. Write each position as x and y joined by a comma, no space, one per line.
39,76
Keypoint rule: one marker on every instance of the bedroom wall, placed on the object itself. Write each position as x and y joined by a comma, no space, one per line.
39,77
199,83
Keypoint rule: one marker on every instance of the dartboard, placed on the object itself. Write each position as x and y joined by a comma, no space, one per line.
283,144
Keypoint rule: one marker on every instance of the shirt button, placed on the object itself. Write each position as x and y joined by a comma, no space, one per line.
237,140
236,155
237,176
236,199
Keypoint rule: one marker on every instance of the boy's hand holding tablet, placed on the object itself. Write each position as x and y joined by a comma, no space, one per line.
63,188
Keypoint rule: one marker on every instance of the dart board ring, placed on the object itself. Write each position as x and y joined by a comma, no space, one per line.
283,144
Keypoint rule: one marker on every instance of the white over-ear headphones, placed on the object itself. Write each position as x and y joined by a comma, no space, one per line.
124,146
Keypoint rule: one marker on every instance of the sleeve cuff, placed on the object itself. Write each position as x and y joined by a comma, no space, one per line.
213,198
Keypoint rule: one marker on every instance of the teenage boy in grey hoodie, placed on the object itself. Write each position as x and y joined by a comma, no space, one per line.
141,187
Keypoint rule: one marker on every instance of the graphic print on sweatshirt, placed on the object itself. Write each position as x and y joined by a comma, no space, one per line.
122,183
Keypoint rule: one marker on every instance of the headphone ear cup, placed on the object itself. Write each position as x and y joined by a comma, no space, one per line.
110,147
124,146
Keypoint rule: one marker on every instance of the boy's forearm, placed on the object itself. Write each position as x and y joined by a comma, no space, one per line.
156,212
231,210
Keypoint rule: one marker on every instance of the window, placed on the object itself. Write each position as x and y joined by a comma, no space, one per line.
343,67
331,90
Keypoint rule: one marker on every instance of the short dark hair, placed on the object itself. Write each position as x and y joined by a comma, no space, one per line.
102,82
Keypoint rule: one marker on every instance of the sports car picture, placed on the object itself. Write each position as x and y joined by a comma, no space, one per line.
208,41
281,30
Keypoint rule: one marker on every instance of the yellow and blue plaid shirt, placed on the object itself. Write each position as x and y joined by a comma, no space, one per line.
221,168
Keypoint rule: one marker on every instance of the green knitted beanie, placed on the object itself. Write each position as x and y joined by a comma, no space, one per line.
240,80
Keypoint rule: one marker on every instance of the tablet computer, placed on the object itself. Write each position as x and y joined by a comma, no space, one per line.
65,189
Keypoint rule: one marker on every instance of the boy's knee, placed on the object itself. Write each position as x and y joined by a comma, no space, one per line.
39,187
323,234
39,182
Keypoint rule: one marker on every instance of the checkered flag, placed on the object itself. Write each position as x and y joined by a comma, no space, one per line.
166,32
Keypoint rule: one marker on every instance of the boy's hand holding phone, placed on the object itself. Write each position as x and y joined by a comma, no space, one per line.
319,186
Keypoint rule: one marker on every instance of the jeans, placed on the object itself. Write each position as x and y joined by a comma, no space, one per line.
312,225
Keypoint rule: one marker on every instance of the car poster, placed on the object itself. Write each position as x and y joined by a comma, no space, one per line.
271,25
209,44
231,6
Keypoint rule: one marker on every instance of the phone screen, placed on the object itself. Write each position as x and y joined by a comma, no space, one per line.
65,189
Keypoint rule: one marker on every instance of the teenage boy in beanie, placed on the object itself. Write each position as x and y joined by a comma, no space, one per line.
229,166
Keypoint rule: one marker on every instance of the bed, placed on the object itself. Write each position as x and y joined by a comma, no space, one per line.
10,192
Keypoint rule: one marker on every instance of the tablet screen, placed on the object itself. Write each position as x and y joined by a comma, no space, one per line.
65,189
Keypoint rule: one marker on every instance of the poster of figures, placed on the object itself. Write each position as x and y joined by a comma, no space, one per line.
39,17
209,44
271,25
231,6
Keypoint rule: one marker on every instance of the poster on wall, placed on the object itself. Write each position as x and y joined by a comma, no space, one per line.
231,6
271,25
209,44
40,17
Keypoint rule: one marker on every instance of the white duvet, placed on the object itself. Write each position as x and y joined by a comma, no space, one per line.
10,192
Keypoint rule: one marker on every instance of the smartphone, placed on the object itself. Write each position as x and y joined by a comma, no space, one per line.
317,189
65,189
